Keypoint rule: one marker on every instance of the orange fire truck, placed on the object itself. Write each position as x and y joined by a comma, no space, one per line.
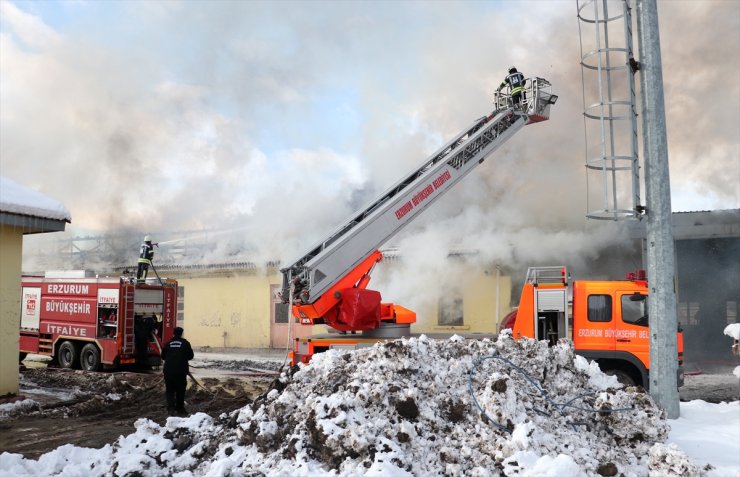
88,322
607,321
328,285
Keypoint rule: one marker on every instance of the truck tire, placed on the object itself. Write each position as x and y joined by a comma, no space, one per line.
68,355
90,357
622,376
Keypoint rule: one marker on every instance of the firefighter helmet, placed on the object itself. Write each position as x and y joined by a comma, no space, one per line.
148,238
512,69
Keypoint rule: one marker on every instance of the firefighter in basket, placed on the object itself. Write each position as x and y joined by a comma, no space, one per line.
515,80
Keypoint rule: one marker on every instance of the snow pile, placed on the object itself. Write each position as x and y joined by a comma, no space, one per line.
17,407
413,407
668,459
733,331
407,407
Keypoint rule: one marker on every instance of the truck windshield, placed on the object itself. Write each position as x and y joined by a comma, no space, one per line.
634,311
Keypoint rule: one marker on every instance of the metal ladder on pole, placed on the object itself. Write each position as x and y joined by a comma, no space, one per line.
610,114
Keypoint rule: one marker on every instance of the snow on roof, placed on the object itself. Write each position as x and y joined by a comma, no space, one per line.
17,199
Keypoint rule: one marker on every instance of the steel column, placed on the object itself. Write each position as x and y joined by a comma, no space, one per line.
660,247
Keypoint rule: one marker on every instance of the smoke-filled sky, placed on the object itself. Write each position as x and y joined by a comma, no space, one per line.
279,119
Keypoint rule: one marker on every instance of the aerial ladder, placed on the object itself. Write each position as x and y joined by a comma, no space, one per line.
328,284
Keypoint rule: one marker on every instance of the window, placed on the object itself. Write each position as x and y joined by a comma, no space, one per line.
687,312
450,312
600,308
180,304
635,309
732,312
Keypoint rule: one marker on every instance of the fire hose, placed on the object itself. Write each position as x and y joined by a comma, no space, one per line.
559,406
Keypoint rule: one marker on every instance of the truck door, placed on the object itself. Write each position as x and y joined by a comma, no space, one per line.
593,321
632,334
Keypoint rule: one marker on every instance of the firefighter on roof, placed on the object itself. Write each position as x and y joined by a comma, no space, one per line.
176,354
146,255
515,80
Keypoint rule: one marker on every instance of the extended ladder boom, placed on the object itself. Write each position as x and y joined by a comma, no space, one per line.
358,238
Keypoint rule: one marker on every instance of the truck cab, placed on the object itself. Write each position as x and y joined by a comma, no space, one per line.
607,321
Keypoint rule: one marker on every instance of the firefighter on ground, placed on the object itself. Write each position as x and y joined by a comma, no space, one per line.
515,80
176,354
146,255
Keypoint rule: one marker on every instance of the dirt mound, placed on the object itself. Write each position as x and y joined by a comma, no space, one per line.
419,407
94,409
455,407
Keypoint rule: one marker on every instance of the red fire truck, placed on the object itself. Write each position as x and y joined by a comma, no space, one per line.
87,322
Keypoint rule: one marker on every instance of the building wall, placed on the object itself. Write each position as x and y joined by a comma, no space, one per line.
708,297
487,301
484,295
228,310
11,247
238,304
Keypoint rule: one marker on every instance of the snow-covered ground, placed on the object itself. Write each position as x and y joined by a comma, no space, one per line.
425,407
709,434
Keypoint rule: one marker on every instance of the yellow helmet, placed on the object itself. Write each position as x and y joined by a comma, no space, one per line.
148,238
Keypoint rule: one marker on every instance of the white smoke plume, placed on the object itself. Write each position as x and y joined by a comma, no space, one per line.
277,120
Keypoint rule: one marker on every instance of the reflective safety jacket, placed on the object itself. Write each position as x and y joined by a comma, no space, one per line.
515,81
146,253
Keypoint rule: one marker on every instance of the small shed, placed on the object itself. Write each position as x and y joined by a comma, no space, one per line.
22,211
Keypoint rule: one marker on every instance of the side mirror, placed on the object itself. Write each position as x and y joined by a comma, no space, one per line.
637,296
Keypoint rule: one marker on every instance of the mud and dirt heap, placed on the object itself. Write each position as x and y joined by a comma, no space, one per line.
413,406
417,407
69,393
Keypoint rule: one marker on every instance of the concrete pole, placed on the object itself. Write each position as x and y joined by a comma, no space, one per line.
660,247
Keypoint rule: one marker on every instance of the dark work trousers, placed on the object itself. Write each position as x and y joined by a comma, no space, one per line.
142,271
516,98
175,392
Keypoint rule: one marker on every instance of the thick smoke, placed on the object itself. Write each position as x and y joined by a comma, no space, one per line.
276,121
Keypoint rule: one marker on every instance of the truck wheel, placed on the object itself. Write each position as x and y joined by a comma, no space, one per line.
21,356
90,357
68,356
622,376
